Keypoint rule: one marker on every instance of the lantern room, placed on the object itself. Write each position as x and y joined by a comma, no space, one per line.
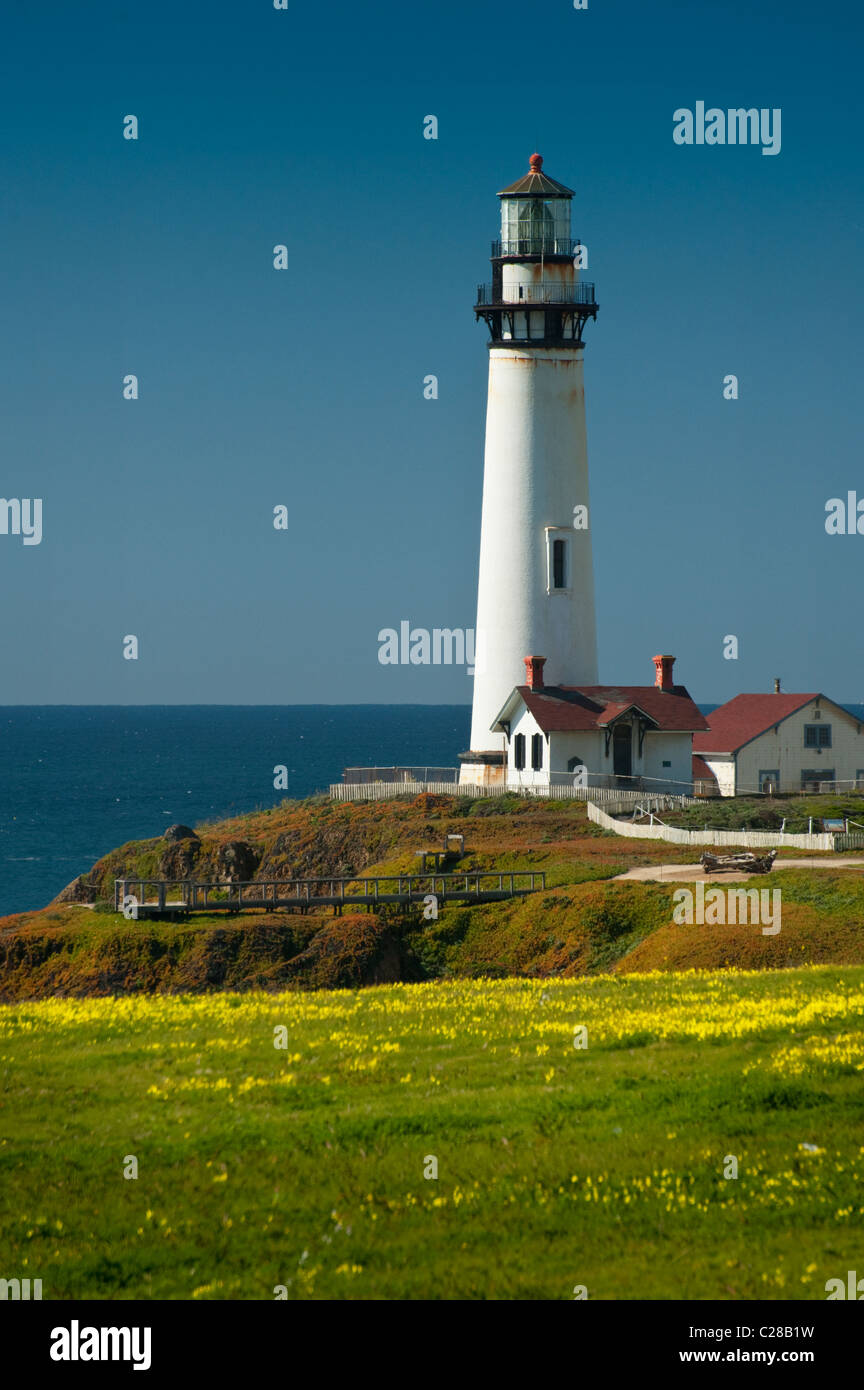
535,215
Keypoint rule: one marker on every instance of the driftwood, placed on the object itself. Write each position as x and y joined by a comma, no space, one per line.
746,861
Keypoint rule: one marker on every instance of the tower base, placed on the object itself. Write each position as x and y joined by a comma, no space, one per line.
483,769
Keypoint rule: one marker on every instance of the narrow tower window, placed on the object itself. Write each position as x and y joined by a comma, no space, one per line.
559,564
536,751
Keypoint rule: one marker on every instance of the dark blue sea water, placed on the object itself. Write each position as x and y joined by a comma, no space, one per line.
78,780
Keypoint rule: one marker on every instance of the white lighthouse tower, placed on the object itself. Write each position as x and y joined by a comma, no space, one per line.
536,582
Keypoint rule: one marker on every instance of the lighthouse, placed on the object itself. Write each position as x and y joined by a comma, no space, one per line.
536,580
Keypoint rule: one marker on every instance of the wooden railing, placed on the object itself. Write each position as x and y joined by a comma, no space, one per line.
153,896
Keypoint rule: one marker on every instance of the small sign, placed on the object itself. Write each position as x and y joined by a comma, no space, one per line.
834,826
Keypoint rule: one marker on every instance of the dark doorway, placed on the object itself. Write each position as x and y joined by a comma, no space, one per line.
622,751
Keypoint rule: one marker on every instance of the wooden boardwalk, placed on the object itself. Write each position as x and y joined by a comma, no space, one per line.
153,897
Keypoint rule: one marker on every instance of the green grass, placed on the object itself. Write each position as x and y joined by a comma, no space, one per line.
576,928
768,813
304,1167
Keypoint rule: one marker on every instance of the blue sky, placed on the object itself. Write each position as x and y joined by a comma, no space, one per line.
304,387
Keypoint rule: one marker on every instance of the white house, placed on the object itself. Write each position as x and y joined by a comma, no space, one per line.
782,743
619,736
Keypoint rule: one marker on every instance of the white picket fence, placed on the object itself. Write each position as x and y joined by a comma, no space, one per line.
619,801
753,839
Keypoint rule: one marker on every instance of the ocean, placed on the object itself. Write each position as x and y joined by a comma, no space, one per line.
78,780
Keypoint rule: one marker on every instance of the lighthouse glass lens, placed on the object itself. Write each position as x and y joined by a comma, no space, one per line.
535,226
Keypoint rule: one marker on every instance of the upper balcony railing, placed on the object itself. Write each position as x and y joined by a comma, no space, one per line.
536,246
545,292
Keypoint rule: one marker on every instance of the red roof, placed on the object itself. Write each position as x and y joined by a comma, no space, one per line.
741,720
536,184
560,708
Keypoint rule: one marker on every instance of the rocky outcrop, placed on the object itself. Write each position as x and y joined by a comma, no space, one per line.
179,832
80,890
341,850
236,862
179,858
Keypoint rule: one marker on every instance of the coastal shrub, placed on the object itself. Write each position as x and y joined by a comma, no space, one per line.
496,806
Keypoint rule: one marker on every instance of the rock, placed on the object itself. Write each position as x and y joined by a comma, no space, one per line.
179,832
283,856
179,858
340,850
80,890
236,862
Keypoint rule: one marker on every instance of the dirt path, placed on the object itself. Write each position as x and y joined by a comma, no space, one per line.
694,873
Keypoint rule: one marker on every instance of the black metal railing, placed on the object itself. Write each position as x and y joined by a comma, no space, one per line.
536,246
546,292
411,775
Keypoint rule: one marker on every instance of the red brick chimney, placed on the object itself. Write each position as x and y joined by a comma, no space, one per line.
663,667
534,671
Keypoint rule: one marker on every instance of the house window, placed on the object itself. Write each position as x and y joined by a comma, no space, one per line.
667,763
536,751
817,735
519,752
812,777
769,780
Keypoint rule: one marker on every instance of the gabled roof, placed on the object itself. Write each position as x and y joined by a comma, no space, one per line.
616,708
569,708
745,717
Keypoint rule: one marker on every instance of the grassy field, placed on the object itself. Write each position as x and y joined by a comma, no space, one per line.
582,923
303,1166
579,929
771,812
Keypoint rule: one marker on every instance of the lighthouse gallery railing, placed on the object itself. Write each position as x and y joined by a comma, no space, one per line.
545,292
